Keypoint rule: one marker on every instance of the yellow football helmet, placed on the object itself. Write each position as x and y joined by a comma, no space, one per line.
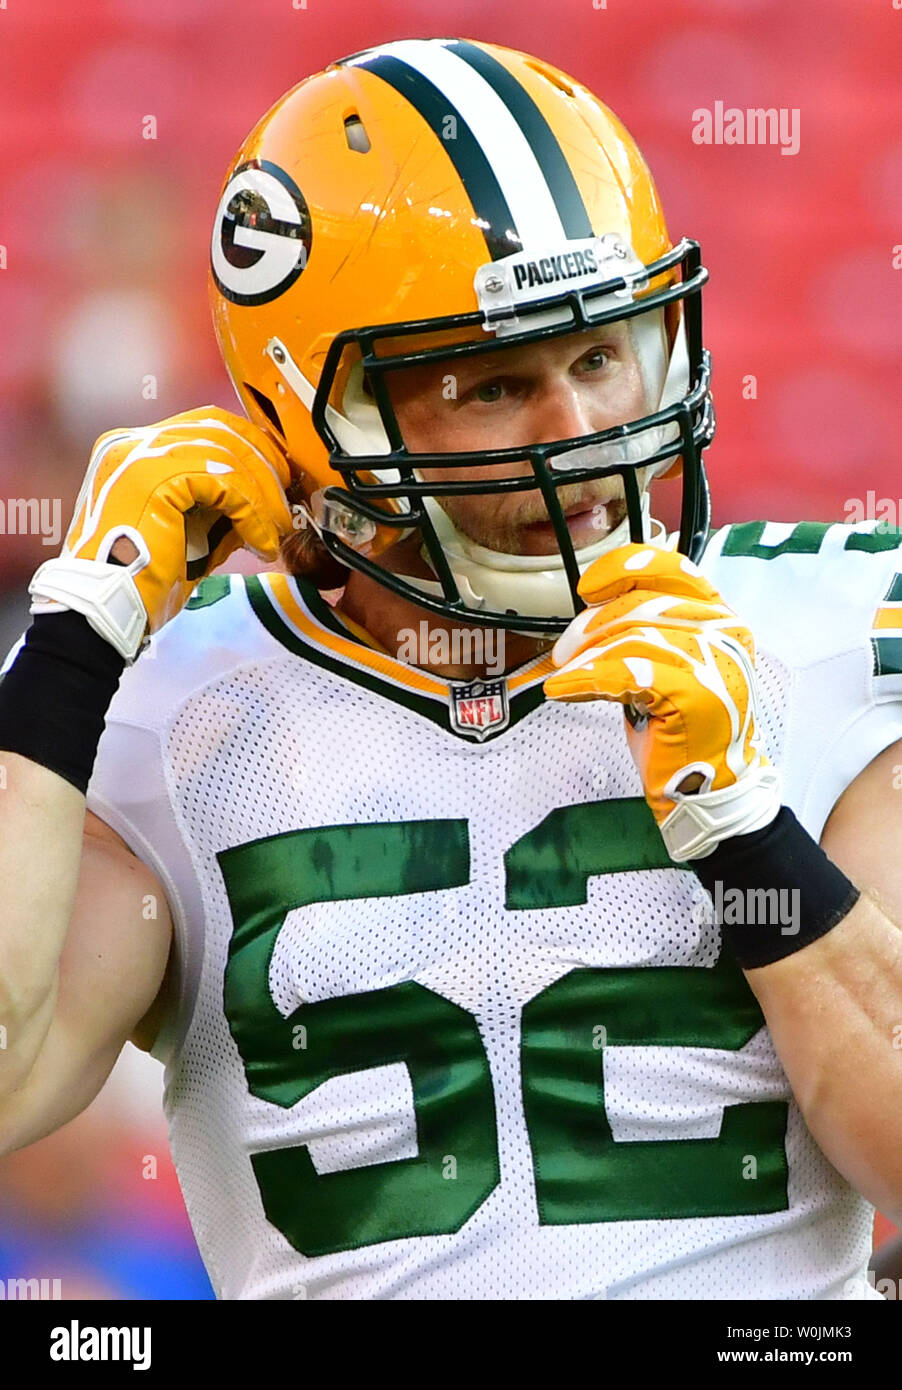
432,198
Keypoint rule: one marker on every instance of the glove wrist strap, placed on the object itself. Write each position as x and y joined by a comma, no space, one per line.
103,591
699,823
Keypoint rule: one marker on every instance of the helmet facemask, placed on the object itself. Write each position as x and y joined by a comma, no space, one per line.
386,485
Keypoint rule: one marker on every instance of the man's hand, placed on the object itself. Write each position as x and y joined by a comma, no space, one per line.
178,497
658,639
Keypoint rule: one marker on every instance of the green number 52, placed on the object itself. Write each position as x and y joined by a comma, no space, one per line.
581,1173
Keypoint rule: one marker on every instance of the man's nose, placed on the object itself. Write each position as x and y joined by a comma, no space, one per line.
561,412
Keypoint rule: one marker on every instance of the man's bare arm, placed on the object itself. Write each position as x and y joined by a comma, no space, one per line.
82,955
834,1008
85,930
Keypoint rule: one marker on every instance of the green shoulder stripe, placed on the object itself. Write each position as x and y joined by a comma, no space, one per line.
210,591
806,538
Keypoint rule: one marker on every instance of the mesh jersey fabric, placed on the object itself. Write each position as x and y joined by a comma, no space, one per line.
495,1051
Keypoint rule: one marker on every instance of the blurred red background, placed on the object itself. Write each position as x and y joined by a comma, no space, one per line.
105,322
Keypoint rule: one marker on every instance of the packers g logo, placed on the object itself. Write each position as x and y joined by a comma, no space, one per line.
262,234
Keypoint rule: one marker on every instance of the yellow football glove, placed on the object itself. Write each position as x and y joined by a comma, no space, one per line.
186,492
658,639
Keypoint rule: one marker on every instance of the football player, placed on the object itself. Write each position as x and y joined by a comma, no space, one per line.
580,980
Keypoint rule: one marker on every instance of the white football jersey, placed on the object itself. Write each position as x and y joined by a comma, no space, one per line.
449,1024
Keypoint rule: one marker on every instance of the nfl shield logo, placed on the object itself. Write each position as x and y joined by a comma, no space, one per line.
479,708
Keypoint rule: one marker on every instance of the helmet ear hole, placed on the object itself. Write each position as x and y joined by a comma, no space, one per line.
355,134
266,406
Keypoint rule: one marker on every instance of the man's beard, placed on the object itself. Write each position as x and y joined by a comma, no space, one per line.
506,534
